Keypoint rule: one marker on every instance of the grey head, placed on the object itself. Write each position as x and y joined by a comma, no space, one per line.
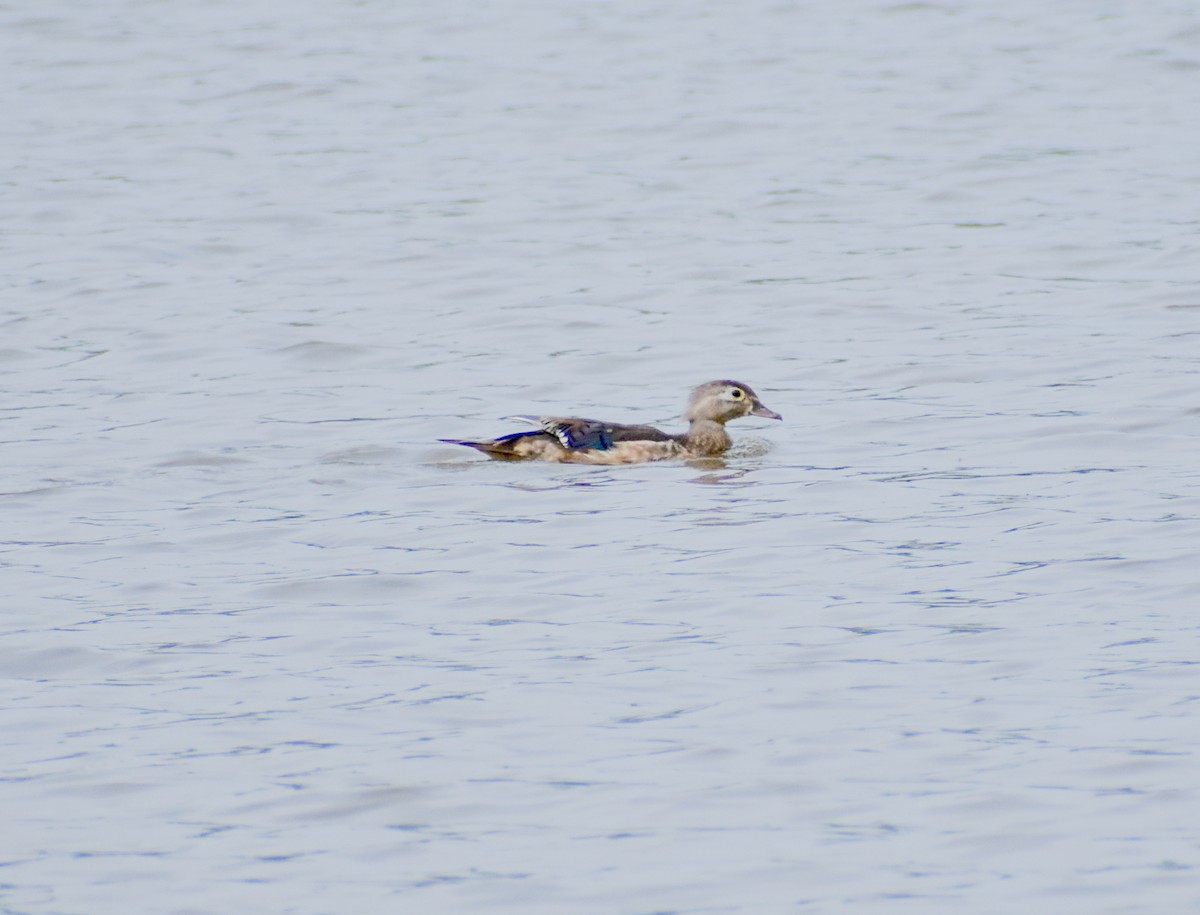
721,401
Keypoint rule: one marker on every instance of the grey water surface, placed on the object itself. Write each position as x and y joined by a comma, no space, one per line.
929,645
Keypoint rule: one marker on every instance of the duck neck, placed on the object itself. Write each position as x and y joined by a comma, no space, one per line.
704,436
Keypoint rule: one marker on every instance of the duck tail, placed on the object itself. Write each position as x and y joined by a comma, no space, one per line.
485,447
503,447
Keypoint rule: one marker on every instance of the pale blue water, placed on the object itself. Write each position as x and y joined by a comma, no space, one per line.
929,645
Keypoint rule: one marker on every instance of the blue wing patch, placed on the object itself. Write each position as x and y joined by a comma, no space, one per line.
572,433
575,434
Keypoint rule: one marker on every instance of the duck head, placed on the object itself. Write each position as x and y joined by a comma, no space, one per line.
721,401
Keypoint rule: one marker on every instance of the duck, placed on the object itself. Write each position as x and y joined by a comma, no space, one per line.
573,440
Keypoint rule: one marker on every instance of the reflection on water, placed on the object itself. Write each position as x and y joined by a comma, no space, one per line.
716,478
268,645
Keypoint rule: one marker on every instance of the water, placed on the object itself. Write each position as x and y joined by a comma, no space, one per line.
926,646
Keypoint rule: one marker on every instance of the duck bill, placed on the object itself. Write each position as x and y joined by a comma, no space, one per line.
760,410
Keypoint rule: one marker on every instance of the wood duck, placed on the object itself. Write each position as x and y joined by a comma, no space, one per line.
571,440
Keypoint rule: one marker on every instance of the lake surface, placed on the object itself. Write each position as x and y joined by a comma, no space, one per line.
929,645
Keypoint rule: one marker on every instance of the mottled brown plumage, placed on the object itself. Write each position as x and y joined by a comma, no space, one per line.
587,441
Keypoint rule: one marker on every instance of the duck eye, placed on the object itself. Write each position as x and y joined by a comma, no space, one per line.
736,394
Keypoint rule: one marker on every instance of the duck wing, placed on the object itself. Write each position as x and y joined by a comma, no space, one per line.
575,433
